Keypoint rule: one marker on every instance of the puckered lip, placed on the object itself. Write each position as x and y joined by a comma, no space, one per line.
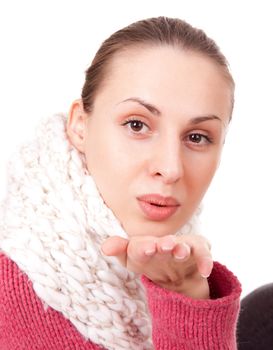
156,207
157,199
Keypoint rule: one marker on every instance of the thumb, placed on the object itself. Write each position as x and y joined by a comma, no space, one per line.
116,246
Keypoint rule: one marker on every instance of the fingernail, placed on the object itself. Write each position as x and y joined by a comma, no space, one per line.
180,257
207,270
102,251
205,276
168,245
182,254
149,251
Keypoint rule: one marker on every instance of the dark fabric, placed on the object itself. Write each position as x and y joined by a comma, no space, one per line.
255,326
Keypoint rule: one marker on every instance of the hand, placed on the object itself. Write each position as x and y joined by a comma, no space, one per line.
181,264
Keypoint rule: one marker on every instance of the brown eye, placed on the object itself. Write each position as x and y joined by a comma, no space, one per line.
196,138
199,139
136,125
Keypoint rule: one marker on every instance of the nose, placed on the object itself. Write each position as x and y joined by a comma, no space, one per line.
166,161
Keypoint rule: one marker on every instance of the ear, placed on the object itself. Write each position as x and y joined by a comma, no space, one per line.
76,125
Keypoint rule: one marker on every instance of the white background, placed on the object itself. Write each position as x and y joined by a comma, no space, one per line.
46,47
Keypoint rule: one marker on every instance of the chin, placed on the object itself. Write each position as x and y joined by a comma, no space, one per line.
152,228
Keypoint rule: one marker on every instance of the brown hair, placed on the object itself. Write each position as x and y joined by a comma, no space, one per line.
152,31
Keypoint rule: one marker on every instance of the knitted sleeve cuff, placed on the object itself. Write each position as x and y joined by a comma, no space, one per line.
180,322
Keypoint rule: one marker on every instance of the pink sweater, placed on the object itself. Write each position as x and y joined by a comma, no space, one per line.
178,322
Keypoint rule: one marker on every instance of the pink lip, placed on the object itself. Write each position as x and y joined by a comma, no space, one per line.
157,207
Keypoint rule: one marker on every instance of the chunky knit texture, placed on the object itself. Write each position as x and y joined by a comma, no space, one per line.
181,323
52,224
178,322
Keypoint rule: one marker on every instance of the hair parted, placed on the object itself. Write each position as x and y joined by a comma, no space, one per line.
152,31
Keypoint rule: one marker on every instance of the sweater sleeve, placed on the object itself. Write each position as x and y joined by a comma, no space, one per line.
180,322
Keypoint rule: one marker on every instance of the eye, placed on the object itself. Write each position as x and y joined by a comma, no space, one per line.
198,138
136,126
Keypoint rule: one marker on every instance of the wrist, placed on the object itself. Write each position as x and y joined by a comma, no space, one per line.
195,288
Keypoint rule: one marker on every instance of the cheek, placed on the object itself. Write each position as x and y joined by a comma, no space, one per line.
115,152
201,172
110,163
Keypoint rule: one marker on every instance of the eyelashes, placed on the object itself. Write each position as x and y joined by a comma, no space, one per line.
199,137
137,127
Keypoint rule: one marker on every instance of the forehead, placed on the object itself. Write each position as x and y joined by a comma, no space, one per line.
174,58
168,75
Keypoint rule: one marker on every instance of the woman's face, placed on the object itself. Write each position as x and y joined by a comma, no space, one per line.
154,138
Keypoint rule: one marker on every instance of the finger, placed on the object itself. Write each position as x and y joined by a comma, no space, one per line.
166,244
114,246
140,251
206,243
182,251
149,248
205,266
202,255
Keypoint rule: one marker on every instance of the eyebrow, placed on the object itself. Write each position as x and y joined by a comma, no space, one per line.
145,104
204,118
151,108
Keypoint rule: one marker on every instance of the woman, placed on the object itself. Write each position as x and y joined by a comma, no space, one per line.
95,251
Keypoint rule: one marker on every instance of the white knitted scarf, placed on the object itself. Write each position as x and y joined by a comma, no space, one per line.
53,222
